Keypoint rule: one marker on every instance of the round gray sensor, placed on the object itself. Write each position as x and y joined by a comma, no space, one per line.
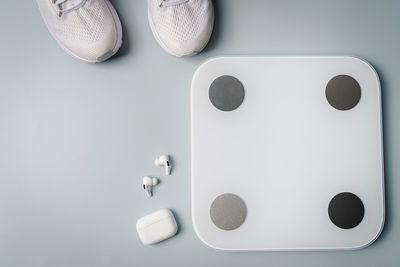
343,92
228,211
226,93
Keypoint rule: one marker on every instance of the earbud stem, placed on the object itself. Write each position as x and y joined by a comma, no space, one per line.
167,168
147,190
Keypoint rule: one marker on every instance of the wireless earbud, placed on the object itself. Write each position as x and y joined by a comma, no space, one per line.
148,182
164,161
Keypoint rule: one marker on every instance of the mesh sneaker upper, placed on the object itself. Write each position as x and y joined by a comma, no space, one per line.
88,32
184,28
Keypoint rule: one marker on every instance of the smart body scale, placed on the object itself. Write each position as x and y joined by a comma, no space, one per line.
286,153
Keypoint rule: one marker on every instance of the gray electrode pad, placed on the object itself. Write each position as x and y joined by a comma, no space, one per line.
343,92
228,211
226,93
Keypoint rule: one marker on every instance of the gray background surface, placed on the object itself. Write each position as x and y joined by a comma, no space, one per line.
75,139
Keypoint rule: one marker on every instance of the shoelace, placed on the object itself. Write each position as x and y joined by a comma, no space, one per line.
171,3
65,11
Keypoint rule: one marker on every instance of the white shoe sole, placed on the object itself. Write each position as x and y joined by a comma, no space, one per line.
109,53
161,43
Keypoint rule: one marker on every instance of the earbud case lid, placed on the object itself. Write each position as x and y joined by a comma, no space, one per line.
156,227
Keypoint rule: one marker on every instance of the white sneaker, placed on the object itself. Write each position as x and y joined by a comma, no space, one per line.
181,27
88,30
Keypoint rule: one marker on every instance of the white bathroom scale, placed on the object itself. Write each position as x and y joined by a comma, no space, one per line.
286,153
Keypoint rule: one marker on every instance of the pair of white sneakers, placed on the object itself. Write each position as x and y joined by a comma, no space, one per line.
91,31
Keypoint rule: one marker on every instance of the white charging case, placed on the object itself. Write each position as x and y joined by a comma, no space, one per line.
156,227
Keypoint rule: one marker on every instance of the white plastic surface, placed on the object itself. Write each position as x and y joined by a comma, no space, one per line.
286,152
156,227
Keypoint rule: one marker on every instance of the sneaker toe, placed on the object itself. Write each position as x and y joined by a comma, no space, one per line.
189,46
96,51
90,33
183,29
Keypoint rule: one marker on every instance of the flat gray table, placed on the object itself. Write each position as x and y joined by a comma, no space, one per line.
75,139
